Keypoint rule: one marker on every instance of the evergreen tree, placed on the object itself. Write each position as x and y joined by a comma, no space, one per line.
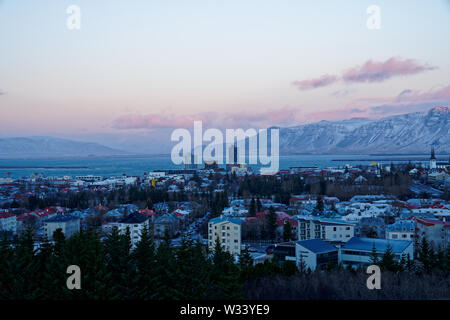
287,231
425,256
374,260
252,208
118,262
271,222
225,275
388,260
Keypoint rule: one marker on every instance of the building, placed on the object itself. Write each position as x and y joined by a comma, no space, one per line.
358,251
284,251
8,222
315,254
432,160
401,230
227,231
165,224
68,224
437,232
135,223
331,230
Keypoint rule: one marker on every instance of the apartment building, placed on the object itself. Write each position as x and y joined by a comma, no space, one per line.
337,231
68,224
228,231
437,232
401,230
135,223
8,222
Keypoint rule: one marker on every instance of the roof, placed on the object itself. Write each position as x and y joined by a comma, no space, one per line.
134,217
232,220
432,222
62,218
317,245
366,244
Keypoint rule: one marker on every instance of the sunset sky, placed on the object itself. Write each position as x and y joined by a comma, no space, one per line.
139,66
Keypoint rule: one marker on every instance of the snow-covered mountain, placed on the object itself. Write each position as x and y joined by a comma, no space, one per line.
51,147
407,133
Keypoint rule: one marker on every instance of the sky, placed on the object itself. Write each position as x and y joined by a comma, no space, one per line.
137,69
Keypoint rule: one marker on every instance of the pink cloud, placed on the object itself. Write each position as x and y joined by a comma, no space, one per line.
322,81
372,71
262,119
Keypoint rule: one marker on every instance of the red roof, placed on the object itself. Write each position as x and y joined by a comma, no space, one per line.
4,215
432,222
147,212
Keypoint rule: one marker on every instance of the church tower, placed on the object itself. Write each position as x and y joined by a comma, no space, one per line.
432,160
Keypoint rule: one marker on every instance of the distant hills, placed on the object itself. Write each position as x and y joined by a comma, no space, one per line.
402,134
412,133
33,147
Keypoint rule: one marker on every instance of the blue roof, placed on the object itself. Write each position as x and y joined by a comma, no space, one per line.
336,221
62,218
317,245
366,244
232,220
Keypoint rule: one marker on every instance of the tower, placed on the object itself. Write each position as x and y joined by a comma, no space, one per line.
432,159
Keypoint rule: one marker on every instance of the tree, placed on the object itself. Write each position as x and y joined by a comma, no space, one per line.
425,256
118,263
374,255
388,260
287,232
271,221
224,276
252,208
319,205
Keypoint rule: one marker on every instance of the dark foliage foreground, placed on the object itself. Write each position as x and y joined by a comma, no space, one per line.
112,270
343,285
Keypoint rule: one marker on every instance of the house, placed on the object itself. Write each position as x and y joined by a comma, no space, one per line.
437,232
358,251
315,254
401,230
68,224
135,223
165,223
228,231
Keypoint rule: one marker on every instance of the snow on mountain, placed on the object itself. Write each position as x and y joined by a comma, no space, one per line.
407,133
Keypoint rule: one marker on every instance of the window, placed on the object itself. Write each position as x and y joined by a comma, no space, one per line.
334,228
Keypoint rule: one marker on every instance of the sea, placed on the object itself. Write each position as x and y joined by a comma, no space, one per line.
138,165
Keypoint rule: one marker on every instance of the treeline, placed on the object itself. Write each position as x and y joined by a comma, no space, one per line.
112,270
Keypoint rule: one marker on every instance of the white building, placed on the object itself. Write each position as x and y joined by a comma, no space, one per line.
67,223
8,222
326,229
401,230
315,254
135,223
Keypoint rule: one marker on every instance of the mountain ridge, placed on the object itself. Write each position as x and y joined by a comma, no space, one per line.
401,134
